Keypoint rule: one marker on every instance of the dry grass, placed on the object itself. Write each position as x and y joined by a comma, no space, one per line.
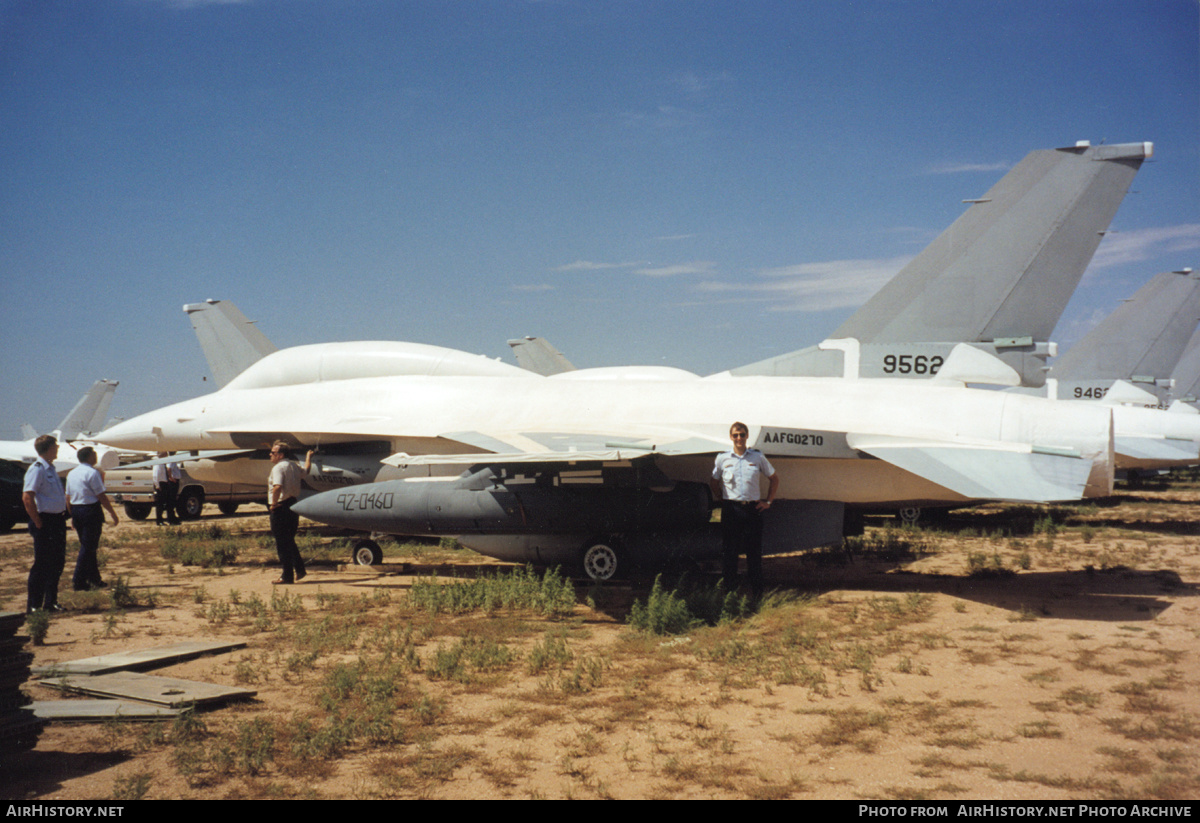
898,672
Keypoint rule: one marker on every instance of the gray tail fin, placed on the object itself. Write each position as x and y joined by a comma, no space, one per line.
1186,374
230,341
90,412
1141,342
1002,273
535,354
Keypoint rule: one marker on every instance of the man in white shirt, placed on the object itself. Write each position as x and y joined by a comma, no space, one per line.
736,483
283,490
46,505
87,500
166,491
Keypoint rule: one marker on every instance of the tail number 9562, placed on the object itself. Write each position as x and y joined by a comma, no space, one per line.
911,364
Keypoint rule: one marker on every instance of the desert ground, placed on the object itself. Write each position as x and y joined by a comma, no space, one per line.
1002,652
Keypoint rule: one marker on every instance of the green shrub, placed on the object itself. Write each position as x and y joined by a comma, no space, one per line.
551,594
207,546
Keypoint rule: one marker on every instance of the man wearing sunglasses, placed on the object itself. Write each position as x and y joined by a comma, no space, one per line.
283,489
736,482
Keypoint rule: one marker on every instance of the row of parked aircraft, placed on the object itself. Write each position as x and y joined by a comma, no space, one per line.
599,467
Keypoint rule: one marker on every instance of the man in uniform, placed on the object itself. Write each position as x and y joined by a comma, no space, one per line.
87,501
46,505
736,482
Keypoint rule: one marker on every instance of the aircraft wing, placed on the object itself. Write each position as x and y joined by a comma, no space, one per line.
980,470
187,457
559,447
985,471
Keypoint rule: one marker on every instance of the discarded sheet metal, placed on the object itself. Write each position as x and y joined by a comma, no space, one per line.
139,658
150,688
94,710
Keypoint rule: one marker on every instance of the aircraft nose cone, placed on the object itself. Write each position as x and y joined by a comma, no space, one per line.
322,508
132,434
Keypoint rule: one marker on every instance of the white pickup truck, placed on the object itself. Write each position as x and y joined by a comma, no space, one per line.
135,489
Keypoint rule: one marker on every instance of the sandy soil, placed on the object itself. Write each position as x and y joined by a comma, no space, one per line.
1070,674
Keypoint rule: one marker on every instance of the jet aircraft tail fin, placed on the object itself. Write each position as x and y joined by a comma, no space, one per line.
1140,342
230,341
535,354
89,413
1185,377
999,277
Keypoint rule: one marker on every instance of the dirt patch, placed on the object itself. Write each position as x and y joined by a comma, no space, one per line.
1002,652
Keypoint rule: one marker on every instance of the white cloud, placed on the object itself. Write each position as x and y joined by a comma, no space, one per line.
1143,244
588,265
698,267
645,269
961,168
833,284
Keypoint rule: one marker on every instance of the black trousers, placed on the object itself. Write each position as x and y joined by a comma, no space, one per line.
741,533
88,520
284,524
49,557
165,495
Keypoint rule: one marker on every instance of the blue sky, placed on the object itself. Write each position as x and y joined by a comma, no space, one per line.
687,183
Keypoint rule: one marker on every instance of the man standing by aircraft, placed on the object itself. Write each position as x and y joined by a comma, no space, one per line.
46,505
736,482
166,492
283,490
87,501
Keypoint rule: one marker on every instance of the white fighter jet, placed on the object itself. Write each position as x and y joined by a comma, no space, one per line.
594,466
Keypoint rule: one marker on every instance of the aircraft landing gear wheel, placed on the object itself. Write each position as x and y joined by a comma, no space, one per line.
601,561
367,553
909,514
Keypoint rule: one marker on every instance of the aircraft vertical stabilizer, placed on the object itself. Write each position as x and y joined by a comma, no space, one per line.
535,354
999,277
88,415
1140,342
1186,374
230,341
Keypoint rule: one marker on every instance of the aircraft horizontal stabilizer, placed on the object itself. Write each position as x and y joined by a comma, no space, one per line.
1144,449
986,472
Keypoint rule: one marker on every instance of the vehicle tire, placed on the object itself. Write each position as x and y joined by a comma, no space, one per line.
228,507
138,511
909,514
601,560
190,503
367,553
6,524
